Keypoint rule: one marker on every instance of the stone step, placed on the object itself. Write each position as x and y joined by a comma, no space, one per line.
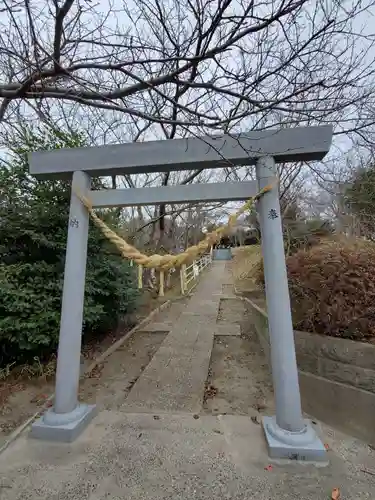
225,328
175,378
157,327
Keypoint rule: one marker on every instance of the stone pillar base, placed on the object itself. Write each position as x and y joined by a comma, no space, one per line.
63,427
304,446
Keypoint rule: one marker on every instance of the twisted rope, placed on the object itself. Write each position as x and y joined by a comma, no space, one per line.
165,262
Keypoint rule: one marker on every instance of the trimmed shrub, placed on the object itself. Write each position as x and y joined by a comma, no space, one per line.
332,289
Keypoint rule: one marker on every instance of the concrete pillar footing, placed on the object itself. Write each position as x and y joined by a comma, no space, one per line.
303,446
63,427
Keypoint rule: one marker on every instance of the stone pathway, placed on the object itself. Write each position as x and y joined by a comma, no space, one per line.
175,378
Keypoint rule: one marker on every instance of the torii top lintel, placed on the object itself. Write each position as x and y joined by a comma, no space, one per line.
285,145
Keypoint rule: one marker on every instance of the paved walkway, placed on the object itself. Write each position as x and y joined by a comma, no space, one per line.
160,446
175,378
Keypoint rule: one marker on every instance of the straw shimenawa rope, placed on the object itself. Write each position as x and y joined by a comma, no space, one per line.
165,262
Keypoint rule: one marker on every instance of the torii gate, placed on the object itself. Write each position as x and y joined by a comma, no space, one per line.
288,434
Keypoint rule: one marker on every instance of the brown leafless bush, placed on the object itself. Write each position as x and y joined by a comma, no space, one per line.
332,289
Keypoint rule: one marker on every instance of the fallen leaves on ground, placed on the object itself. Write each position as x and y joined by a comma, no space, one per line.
369,471
96,372
260,406
39,398
335,494
210,392
7,389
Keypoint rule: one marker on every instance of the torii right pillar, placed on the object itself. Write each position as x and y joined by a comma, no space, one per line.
288,434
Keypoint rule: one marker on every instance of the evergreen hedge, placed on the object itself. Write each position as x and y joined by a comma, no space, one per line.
33,231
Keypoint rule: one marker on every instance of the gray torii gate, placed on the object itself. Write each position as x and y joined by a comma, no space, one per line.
288,434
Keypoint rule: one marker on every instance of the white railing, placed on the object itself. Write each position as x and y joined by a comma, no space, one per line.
190,274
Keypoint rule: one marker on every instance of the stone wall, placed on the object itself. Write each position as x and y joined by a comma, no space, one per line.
337,378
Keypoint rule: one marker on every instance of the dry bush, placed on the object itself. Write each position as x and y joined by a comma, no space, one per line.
246,260
332,289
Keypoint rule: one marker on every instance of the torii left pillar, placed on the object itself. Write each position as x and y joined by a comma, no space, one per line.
66,420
